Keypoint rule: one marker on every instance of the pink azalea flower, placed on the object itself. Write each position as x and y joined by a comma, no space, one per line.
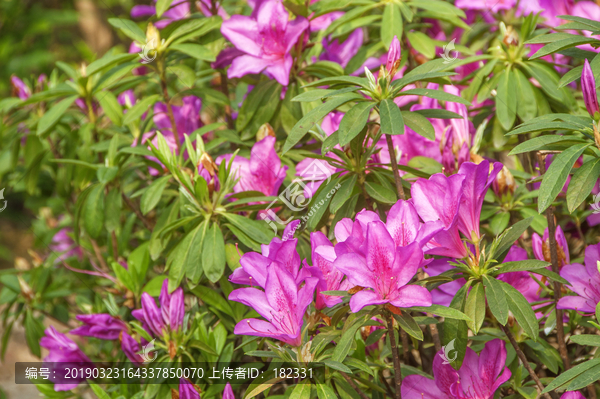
384,270
64,245
572,395
262,172
169,315
62,350
323,256
439,198
131,347
253,270
585,282
266,39
20,89
180,9
588,87
478,179
343,52
486,5
187,116
187,390
281,303
100,325
228,392
541,247
479,376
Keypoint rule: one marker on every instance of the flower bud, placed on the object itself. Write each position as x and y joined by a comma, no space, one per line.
264,131
393,57
588,87
504,183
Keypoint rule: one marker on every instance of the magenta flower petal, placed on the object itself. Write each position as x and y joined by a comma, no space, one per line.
365,298
152,314
478,179
101,325
588,87
416,386
187,390
412,295
228,392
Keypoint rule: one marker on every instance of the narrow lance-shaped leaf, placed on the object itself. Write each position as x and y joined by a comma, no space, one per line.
391,118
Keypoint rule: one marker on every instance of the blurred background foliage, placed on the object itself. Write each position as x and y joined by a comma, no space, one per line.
34,34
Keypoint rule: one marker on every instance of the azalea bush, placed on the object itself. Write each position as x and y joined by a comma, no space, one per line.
401,197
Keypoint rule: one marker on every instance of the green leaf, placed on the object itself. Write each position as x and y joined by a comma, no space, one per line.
99,392
323,196
354,121
558,45
511,235
408,324
544,142
557,174
112,214
343,194
196,343
107,61
442,311
123,276
213,298
532,127
136,112
257,231
422,43
162,6
419,124
391,118
380,193
569,375
186,257
213,250
496,299
111,107
313,117
185,75
475,308
499,222
337,365
586,378
506,100
301,391
522,265
129,28
195,50
436,94
550,275
391,24
193,28
457,330
152,195
93,211
34,331
252,103
324,391
526,105
582,183
51,117
346,341
586,339
521,309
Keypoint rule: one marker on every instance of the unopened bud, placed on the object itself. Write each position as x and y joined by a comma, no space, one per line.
21,264
208,163
264,131
394,56
504,183
152,34
25,288
511,38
